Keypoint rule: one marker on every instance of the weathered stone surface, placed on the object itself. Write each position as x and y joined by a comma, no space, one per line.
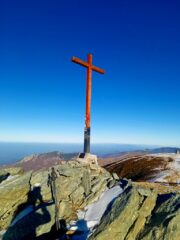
78,196
111,183
164,223
144,212
120,217
68,170
173,229
14,170
12,193
141,214
82,187
32,225
3,175
40,178
66,210
86,182
6,172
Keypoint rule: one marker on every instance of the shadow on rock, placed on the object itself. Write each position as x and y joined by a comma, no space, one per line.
28,219
82,231
54,234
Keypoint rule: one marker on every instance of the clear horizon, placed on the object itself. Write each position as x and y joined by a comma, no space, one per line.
93,143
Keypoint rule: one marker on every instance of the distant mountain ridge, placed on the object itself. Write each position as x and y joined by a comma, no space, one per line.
164,150
148,151
43,160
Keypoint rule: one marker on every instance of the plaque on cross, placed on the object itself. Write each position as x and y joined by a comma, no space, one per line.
89,68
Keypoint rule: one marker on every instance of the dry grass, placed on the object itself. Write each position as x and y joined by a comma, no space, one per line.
138,167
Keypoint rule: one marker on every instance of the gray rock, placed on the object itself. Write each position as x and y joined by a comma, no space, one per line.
117,221
14,170
12,194
141,214
40,178
6,172
144,191
32,225
111,183
164,223
3,175
86,182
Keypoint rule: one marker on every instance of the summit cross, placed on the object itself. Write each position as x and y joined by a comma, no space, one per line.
90,68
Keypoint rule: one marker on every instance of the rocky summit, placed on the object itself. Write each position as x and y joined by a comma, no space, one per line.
26,206
92,203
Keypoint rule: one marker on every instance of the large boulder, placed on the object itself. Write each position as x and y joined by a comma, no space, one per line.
164,223
141,213
9,171
126,216
34,224
13,193
13,170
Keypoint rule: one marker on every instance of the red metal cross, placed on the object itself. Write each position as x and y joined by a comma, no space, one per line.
90,68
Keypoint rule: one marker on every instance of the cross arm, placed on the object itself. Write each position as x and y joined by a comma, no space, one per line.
86,64
99,70
79,61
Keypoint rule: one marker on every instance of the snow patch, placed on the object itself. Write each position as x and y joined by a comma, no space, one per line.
93,214
95,211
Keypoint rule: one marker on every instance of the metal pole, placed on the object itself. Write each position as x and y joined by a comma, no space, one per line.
88,105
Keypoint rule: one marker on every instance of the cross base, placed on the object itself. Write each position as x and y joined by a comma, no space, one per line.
87,158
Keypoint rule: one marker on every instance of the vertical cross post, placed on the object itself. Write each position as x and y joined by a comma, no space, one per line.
89,68
87,129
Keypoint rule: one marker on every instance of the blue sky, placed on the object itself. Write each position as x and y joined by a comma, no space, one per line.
42,93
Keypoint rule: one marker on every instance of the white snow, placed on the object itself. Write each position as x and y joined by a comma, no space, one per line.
95,210
37,184
174,168
93,213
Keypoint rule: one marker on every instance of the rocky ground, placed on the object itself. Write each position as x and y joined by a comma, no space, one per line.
77,185
94,203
